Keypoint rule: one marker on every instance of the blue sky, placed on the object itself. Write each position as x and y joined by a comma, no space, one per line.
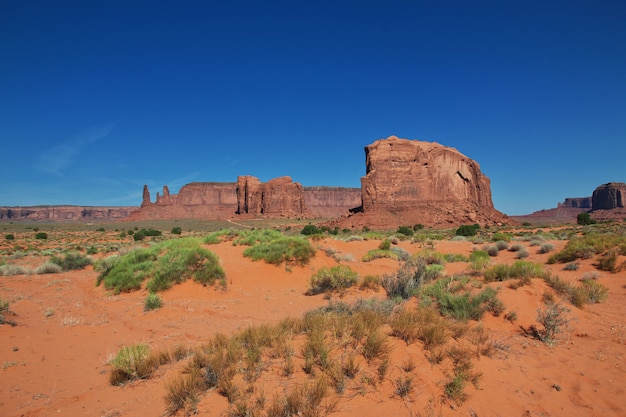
98,98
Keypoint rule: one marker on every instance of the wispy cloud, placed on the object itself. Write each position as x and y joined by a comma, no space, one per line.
57,159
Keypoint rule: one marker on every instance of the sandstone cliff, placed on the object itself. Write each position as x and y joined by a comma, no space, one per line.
64,213
330,202
609,196
410,181
279,197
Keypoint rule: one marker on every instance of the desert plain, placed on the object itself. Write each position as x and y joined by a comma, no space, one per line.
62,333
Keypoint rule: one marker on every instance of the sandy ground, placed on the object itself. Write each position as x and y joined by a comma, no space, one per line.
55,358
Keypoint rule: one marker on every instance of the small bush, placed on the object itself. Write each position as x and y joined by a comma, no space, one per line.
282,249
502,245
467,230
411,275
152,302
338,277
4,308
501,237
607,262
48,268
553,320
590,292
516,247
72,261
572,266
371,282
10,270
546,248
405,230
176,230
9,236
522,254
385,245
418,226
41,235
310,229
492,250
519,269
130,363
379,253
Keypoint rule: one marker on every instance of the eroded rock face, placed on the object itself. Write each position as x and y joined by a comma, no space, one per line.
578,202
409,182
329,202
277,197
609,196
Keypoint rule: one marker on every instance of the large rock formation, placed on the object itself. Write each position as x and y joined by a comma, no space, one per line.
410,181
331,202
64,213
577,202
609,196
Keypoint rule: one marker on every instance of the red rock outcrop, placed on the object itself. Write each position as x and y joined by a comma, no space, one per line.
409,182
65,213
278,197
609,196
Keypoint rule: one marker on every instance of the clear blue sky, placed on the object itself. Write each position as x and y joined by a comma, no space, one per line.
98,98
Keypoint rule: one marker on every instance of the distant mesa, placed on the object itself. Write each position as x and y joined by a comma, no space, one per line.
606,203
65,213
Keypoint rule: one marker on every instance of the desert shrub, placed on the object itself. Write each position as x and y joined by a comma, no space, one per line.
587,246
403,386
589,292
282,249
516,247
519,269
584,219
9,236
385,245
418,226
41,235
73,261
479,260
463,306
467,230
502,245
411,275
138,236
176,230
379,253
92,250
131,232
553,319
405,230
152,302
338,277
522,254
132,362
167,263
371,282
546,248
492,250
607,262
48,268
4,309
10,270
572,266
402,255
455,257
310,229
501,237
430,256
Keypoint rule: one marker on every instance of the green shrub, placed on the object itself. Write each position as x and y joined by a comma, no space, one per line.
338,277
282,249
502,245
130,363
139,236
572,266
418,226
405,230
379,253
152,302
492,250
516,247
252,237
584,219
546,248
311,229
100,229
590,292
41,235
92,250
10,236
73,261
553,320
505,237
166,263
519,269
467,230
385,245
176,230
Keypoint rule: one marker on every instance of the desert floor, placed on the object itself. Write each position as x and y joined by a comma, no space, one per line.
55,357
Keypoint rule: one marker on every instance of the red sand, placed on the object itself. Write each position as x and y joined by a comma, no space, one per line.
55,359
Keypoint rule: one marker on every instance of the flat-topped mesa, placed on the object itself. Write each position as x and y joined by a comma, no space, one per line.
609,196
409,182
576,202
